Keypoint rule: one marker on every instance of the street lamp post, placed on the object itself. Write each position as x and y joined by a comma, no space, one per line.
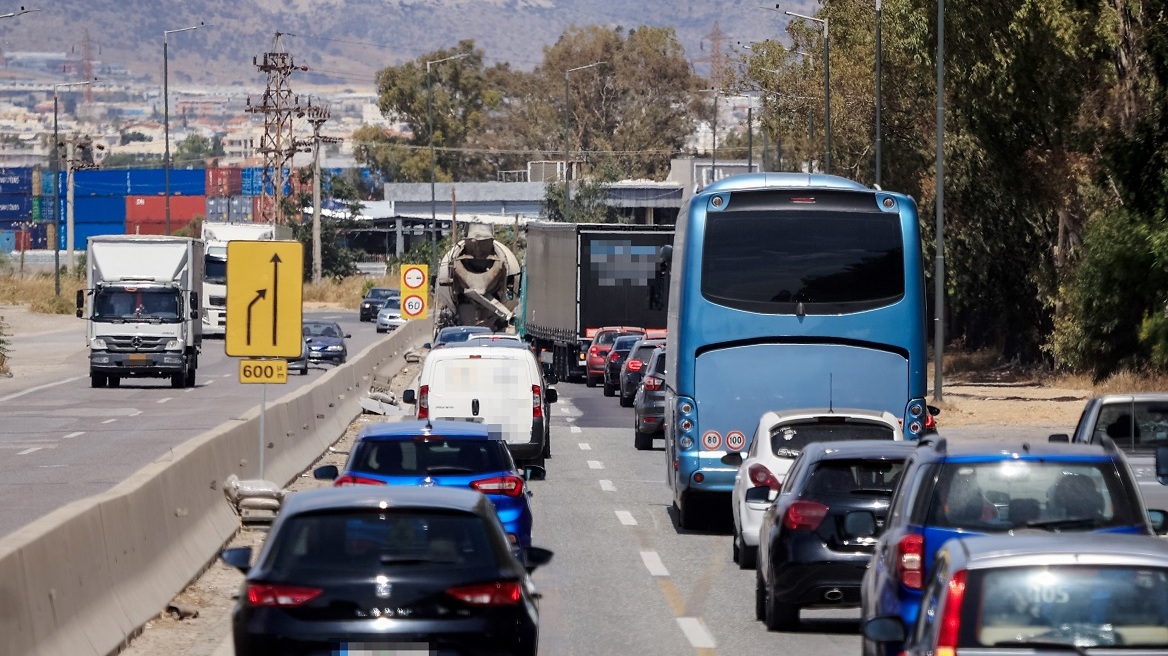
433,207
939,273
878,167
826,88
567,161
166,113
56,185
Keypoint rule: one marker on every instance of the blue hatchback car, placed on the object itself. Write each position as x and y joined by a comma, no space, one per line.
950,491
446,454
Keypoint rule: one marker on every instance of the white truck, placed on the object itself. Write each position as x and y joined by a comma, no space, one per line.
141,306
216,236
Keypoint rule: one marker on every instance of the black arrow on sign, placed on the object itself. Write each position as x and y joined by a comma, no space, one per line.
275,296
260,293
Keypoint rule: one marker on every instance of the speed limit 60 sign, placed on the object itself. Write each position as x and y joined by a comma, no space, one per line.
263,371
413,306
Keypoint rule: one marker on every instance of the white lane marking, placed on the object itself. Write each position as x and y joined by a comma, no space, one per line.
39,388
696,632
29,450
653,563
595,464
209,381
227,375
50,466
570,419
135,413
626,518
189,390
607,486
110,421
576,429
565,410
165,399
73,435
584,446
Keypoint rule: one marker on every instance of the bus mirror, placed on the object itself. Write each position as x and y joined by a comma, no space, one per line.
664,260
80,303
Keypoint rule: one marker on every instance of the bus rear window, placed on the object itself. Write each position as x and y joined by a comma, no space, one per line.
830,262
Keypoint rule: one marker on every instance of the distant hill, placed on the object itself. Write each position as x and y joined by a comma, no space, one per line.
345,42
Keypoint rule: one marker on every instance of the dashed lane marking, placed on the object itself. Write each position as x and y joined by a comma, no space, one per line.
110,421
653,563
189,390
584,446
29,450
595,464
39,388
576,429
135,413
626,518
165,399
696,632
209,382
607,486
73,435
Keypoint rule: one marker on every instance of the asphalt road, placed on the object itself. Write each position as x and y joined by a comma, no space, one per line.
61,440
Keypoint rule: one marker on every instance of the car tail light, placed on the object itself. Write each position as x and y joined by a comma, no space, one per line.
614,356
511,486
424,402
760,475
349,480
635,365
283,596
503,593
594,350
537,401
805,515
910,561
930,422
653,383
951,616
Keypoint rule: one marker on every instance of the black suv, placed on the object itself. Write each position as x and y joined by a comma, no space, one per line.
816,539
957,490
371,304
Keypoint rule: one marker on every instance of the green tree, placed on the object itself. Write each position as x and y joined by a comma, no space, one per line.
132,136
193,151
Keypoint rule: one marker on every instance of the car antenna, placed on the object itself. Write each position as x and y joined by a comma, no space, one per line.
830,392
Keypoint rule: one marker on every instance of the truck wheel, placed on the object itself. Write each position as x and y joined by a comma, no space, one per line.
643,441
190,380
115,381
177,380
97,380
688,513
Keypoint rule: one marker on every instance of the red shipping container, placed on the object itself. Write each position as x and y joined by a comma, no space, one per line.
152,227
141,209
224,182
257,214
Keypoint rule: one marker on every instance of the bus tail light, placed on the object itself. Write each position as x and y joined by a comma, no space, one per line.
910,561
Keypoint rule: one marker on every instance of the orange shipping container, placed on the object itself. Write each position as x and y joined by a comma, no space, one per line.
152,227
224,182
146,209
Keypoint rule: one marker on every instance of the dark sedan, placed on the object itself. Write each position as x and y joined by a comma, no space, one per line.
817,537
326,341
615,360
634,369
373,301
370,569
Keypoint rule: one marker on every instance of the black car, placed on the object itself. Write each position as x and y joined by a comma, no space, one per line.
634,369
373,300
326,341
816,539
615,360
373,569
452,334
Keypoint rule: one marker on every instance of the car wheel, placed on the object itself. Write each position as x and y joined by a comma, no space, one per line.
747,555
380,330
609,390
97,380
780,616
734,550
643,441
590,381
759,598
626,401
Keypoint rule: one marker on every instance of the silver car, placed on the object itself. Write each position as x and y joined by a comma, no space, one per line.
389,316
1026,594
649,403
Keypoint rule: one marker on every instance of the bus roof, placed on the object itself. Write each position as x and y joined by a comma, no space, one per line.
783,181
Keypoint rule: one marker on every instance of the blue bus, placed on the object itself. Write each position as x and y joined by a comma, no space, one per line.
786,290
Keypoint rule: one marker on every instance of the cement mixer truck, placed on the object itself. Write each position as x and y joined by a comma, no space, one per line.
478,282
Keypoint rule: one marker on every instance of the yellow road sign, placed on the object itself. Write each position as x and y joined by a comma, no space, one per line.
263,371
265,287
414,306
414,277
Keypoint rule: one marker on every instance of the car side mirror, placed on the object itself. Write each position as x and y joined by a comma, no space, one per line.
536,557
1159,521
860,524
887,628
408,396
760,494
194,301
551,395
1059,437
238,557
80,303
933,410
326,473
348,336
427,346
534,473
1162,464
732,459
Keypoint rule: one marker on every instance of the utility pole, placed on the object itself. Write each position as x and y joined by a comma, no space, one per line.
317,115
278,106
73,163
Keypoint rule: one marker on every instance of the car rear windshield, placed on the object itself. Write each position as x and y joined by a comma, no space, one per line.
789,439
625,343
643,353
1043,494
854,476
607,337
365,542
391,304
379,293
460,335
659,364
1137,425
1076,605
823,262
434,456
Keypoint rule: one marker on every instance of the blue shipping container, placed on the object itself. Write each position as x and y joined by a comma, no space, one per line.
99,209
152,182
253,182
16,181
16,208
7,241
96,182
83,231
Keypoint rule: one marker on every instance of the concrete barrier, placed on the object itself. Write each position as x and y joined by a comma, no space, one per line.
83,579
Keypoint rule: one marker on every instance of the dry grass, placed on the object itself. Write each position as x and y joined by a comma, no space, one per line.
346,292
37,292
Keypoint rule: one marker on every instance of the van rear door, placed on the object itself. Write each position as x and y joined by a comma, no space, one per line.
489,387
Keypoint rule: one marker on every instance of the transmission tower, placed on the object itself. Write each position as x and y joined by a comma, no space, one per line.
316,115
719,64
87,65
278,106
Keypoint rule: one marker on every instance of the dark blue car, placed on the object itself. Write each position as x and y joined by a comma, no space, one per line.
445,454
956,490
326,341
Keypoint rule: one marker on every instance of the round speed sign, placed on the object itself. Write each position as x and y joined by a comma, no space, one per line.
414,277
413,306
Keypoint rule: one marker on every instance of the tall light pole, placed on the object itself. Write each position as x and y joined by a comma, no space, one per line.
56,159
939,273
433,208
878,167
567,161
166,112
826,88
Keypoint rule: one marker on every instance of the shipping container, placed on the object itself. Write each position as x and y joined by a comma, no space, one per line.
224,182
16,208
217,206
154,227
26,236
153,208
95,182
252,182
83,231
16,181
242,208
7,241
152,182
99,209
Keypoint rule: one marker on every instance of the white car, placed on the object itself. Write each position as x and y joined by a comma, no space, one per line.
494,337
778,439
389,316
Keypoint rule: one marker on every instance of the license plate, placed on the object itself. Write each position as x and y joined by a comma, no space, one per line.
138,359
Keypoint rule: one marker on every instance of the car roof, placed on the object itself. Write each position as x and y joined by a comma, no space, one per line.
967,451
323,322
414,427
362,497
858,449
483,343
452,330
651,342
1128,398
465,352
1039,549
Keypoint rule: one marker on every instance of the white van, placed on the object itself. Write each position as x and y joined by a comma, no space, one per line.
500,387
